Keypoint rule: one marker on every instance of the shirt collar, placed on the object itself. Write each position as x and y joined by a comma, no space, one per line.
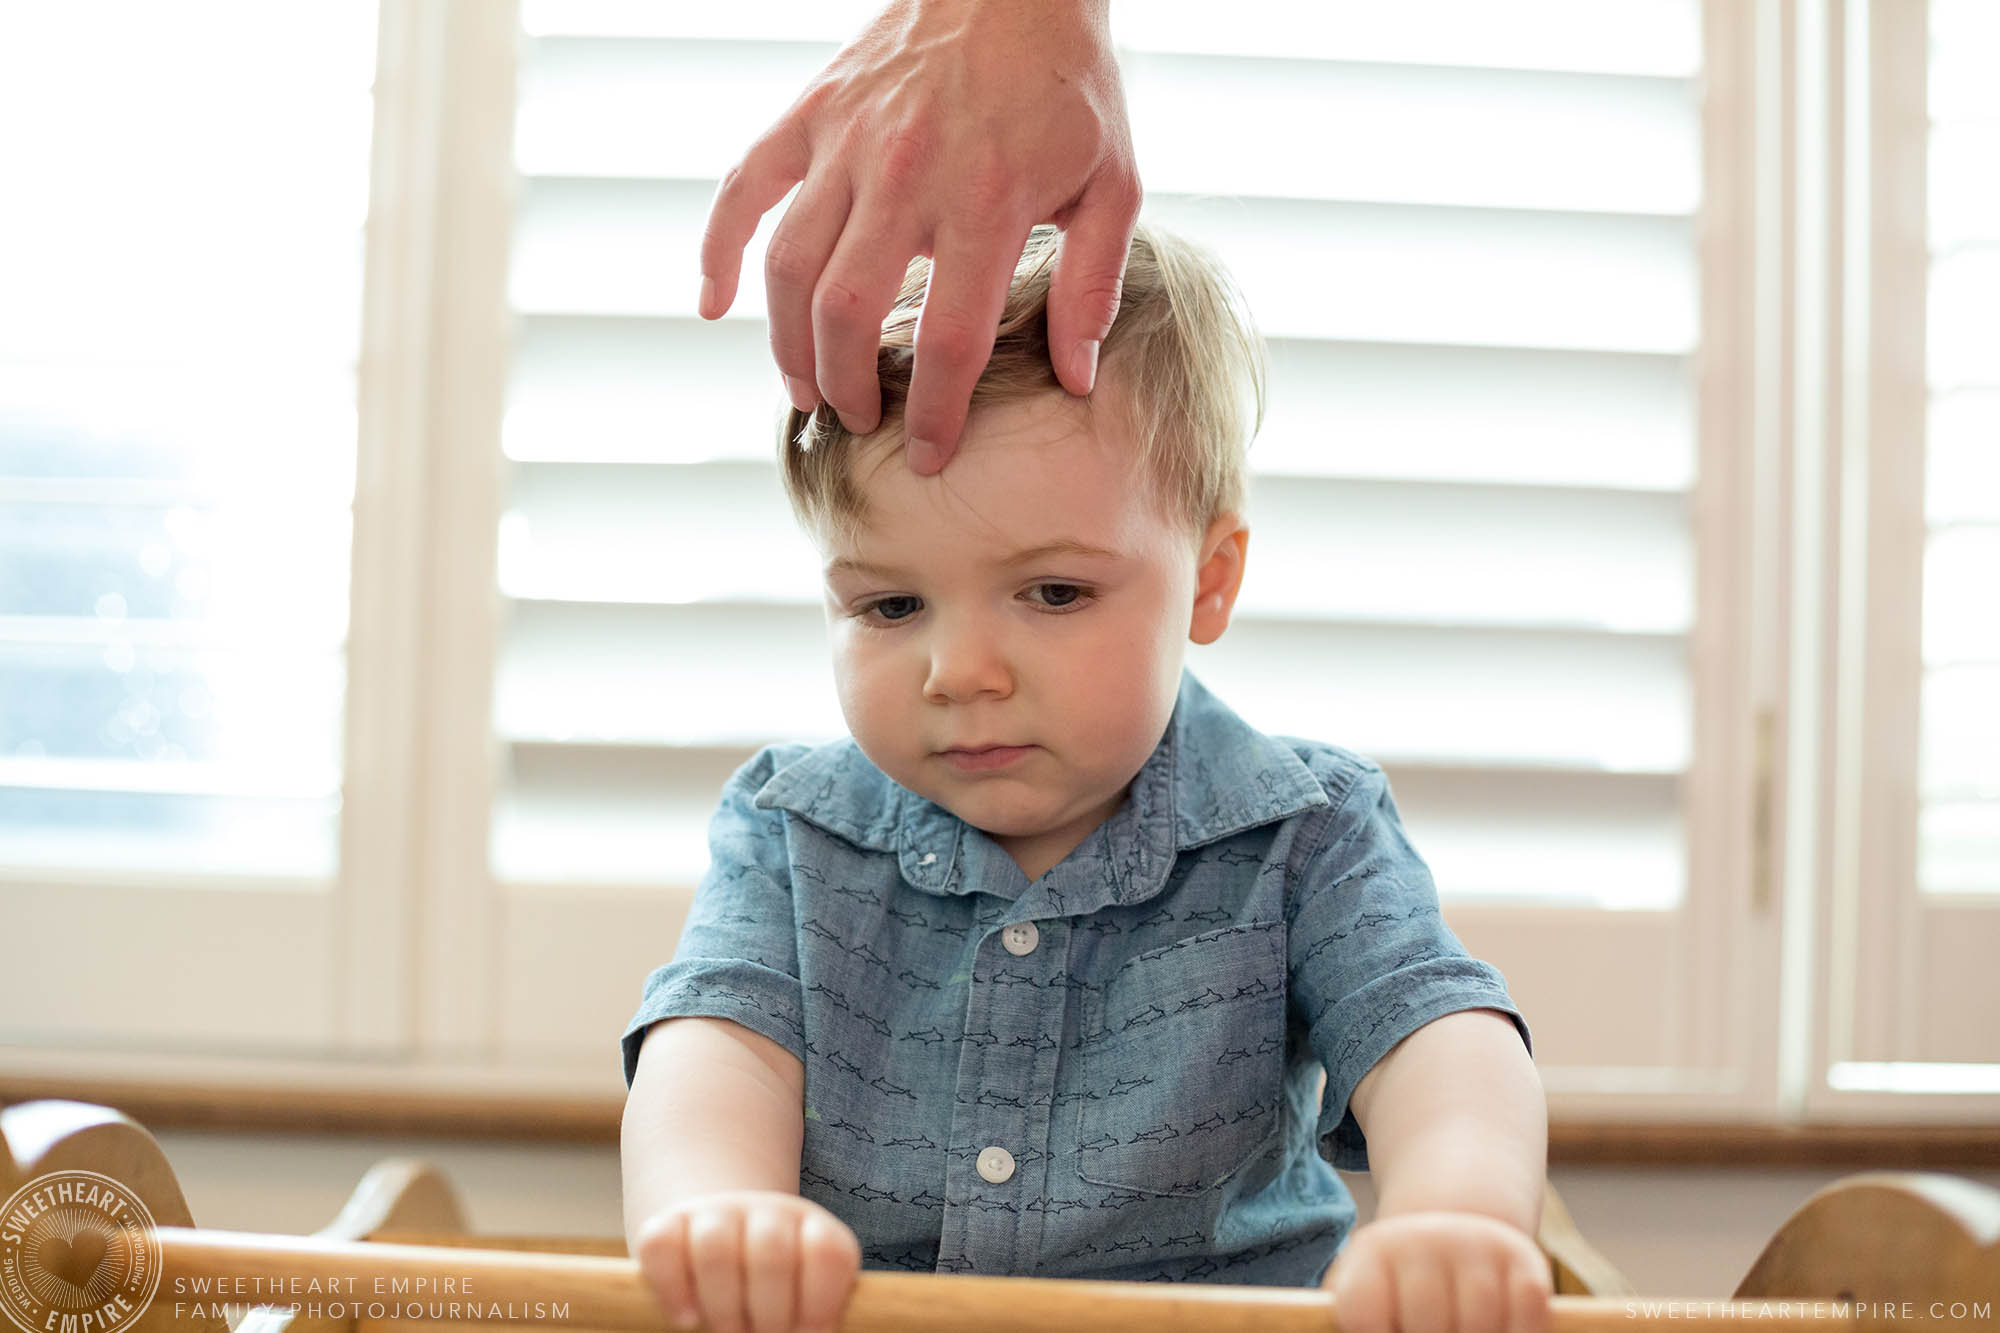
1211,775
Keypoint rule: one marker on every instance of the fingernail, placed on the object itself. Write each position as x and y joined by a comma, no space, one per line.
686,1318
707,296
924,456
1086,364
802,393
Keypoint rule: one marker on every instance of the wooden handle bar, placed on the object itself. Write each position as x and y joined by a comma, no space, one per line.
594,1292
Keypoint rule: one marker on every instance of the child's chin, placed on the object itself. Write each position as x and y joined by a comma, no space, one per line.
998,819
998,831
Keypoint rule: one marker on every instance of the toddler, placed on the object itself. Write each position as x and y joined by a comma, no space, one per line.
1038,972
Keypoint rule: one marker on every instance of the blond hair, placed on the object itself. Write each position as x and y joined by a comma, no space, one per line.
1184,358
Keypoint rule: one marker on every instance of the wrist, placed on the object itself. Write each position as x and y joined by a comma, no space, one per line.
1092,16
1503,1200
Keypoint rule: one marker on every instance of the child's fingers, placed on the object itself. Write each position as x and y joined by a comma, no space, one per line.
715,1254
662,1252
1363,1290
1481,1301
829,1260
1424,1300
1529,1286
771,1266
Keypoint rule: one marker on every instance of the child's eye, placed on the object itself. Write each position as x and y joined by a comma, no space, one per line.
893,609
1063,596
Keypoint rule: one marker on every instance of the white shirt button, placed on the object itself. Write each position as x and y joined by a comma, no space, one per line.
1020,938
996,1164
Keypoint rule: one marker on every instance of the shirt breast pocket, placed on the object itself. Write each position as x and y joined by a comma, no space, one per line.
1181,1068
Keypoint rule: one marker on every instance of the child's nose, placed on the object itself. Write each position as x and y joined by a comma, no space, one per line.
968,659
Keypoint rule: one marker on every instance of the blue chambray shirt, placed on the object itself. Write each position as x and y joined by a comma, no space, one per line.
1107,1073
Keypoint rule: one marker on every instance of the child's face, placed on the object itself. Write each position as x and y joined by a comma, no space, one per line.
941,640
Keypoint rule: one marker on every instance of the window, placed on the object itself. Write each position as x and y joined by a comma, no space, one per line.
177,457
1591,335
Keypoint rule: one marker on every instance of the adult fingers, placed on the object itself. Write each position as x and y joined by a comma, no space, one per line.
662,1252
1090,276
715,1254
968,288
858,287
748,191
829,1261
771,1261
792,265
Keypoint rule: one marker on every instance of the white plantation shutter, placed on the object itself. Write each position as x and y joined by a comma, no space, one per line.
1923,1029
1912,854
1586,502
1959,838
180,298
1468,231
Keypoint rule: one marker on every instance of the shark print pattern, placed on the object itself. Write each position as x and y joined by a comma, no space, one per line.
1141,1032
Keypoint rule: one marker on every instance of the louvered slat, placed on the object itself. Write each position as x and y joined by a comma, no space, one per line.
1482,326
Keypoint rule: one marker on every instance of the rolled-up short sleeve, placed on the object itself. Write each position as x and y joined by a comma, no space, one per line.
738,953
1370,958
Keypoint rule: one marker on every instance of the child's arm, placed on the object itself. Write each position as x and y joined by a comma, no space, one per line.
710,1146
1456,1120
713,1106
1457,1130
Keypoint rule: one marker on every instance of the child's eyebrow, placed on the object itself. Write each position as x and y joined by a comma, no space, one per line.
1061,546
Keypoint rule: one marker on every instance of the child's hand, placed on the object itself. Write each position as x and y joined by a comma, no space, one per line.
1439,1273
749,1261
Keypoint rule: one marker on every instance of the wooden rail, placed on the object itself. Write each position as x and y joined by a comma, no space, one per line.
601,1293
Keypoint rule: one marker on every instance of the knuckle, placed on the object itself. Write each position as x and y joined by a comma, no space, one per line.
906,157
768,1232
947,336
786,262
732,180
1103,293
1126,191
660,1236
712,1236
815,101
983,195
837,305
830,1239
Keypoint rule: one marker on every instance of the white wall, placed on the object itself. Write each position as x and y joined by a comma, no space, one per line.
1673,1231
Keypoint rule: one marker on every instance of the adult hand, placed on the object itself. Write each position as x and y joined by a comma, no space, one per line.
949,128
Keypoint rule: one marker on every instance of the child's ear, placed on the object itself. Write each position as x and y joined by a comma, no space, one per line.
1218,576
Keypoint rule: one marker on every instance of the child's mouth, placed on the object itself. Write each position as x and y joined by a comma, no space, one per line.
984,759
